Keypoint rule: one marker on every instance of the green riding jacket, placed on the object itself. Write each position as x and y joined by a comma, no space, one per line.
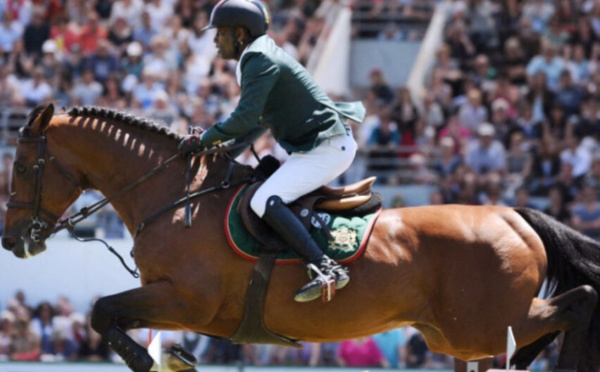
277,93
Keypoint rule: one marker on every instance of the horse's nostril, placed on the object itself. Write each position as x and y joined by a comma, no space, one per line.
8,242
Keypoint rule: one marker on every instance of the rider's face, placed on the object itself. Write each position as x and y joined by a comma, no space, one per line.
225,42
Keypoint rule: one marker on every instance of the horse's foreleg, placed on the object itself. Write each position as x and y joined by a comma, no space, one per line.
527,354
154,306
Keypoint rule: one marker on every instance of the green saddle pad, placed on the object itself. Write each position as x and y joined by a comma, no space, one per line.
351,235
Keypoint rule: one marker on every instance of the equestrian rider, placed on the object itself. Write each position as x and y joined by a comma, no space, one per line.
278,94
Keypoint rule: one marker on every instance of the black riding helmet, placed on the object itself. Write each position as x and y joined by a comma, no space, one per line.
249,13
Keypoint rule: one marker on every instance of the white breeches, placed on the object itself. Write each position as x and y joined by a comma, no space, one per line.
305,172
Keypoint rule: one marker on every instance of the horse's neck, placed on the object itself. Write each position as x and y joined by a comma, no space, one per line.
117,156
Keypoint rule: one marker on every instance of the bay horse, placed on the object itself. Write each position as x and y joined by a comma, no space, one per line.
459,274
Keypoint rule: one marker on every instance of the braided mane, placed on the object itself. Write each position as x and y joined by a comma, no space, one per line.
125,118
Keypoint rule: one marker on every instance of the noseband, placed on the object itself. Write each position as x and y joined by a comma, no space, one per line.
37,224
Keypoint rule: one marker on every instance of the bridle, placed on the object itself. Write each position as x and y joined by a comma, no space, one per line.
37,225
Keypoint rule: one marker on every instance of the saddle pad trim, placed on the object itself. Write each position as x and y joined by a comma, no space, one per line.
241,253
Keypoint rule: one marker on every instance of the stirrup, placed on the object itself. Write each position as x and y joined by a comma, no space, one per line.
323,285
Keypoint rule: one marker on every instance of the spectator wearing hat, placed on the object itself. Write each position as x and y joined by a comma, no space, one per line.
144,92
132,63
503,124
162,109
485,154
50,61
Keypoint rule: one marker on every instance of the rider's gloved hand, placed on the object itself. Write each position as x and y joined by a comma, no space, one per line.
190,144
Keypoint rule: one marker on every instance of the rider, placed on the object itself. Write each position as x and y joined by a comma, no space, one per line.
277,93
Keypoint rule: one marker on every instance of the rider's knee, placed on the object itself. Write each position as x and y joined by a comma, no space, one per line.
260,202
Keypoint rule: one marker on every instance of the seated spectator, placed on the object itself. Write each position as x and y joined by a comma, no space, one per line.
162,109
448,70
485,154
159,11
549,63
473,112
522,198
514,61
120,34
36,33
361,352
576,155
383,146
545,168
492,192
501,121
10,32
405,115
518,162
446,161
586,213
92,348
130,10
568,183
87,90
160,59
579,66
557,207
145,32
380,86
91,33
416,351
103,61
25,344
63,34
132,63
9,85
7,320
539,97
74,62
531,130
143,93
568,95
36,90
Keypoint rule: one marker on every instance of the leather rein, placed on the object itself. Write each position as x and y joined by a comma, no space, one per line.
37,225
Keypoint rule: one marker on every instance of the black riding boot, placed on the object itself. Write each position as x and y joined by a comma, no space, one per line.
321,268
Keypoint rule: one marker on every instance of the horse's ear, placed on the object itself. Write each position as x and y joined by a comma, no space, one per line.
41,122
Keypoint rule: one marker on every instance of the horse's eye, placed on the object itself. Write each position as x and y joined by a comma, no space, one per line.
20,168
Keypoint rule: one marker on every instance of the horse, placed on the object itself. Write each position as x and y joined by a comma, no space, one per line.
459,274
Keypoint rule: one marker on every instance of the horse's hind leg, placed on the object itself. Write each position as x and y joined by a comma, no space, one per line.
154,306
570,312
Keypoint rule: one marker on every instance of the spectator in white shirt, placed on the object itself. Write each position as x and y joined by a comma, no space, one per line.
88,89
9,32
36,89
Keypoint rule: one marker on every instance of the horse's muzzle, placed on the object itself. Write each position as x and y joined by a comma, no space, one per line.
9,242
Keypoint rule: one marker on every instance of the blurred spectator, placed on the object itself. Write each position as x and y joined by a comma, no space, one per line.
143,93
485,154
36,89
9,85
162,109
10,32
514,61
539,97
545,167
586,213
361,352
144,33
576,155
458,132
584,35
25,343
473,113
91,34
391,344
92,348
579,66
380,86
557,207
448,70
159,11
447,159
64,35
120,34
383,145
539,11
102,61
518,162
569,95
160,60
7,320
130,10
88,90
549,63
42,324
522,198
36,33
75,62
481,26
416,351
501,120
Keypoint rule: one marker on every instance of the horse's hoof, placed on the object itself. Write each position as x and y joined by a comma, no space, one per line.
143,363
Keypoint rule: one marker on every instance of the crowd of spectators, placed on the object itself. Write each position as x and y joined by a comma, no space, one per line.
509,116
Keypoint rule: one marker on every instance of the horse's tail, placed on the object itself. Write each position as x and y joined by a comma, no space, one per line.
573,260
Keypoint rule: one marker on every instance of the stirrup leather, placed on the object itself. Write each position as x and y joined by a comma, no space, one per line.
327,281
